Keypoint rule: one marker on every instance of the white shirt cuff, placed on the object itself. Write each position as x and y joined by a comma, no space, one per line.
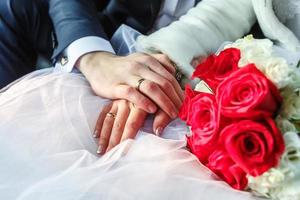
78,48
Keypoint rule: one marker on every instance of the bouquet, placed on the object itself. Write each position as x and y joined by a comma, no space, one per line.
245,126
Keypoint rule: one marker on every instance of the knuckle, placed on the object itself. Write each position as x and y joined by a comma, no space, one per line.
144,101
103,140
150,86
129,91
117,126
173,80
122,102
148,59
113,142
165,57
166,85
133,65
132,126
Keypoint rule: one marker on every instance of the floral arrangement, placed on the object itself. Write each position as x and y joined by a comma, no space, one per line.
244,127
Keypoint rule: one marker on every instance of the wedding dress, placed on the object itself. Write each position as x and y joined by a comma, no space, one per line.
47,150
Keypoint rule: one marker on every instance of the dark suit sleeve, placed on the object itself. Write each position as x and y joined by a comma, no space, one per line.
73,19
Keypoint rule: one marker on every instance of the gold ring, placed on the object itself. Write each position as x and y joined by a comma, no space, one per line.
178,74
139,83
110,114
133,105
147,66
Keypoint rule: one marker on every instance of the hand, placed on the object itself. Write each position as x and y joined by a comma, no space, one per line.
121,120
117,77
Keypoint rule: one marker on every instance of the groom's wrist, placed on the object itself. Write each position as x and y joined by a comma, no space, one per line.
88,62
69,58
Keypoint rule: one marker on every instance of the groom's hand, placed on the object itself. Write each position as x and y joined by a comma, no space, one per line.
146,80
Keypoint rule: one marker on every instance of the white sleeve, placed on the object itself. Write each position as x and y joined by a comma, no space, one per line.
201,31
272,27
79,47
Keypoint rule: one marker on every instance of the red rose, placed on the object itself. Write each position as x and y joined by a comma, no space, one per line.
254,146
204,120
217,67
222,165
247,93
184,109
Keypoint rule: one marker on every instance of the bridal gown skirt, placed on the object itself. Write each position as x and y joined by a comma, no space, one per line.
47,150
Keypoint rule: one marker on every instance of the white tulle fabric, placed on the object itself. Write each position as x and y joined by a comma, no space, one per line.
47,150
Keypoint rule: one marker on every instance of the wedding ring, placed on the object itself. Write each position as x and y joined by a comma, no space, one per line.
133,105
110,114
178,74
139,83
148,67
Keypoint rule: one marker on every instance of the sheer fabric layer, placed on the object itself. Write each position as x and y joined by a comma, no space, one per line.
47,150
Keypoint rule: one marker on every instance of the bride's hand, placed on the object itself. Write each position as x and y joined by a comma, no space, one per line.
146,80
121,120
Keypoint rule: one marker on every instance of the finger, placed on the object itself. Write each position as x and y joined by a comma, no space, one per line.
154,92
131,94
100,120
134,122
166,62
119,124
164,84
106,130
156,66
161,120
172,80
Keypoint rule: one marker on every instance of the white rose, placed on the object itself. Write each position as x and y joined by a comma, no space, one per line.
252,50
278,71
295,78
259,52
269,184
285,125
291,156
290,107
291,163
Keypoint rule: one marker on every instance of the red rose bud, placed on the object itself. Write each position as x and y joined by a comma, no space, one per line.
204,121
222,165
254,146
217,67
184,109
247,93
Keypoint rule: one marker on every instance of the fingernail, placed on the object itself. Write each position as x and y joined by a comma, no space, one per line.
99,150
95,133
173,114
151,109
158,131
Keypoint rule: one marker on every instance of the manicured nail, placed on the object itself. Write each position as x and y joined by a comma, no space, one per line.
95,133
151,109
158,131
99,150
173,114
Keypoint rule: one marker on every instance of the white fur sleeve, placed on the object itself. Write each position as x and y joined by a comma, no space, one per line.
201,31
272,27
